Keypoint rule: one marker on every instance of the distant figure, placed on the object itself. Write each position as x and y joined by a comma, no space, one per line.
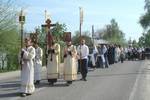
111,54
83,52
105,48
94,56
117,54
101,55
70,65
27,69
122,54
53,63
37,63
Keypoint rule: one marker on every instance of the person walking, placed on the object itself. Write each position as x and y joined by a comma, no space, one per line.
27,68
83,52
70,65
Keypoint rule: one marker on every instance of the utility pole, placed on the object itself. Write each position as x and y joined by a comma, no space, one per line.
80,30
81,21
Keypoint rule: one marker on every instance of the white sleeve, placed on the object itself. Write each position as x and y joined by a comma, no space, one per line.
78,49
29,54
87,50
40,53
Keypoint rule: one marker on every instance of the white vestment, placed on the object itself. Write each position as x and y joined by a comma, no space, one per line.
38,64
70,64
117,54
27,70
53,63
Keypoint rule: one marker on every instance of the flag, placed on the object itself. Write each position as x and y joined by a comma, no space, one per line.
81,15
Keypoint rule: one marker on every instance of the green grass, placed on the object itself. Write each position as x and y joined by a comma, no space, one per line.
7,70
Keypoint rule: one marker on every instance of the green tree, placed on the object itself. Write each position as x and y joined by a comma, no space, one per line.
85,35
144,40
58,31
134,43
9,37
112,33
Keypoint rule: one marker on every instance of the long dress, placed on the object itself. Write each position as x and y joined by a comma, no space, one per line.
27,71
38,64
53,63
117,54
70,64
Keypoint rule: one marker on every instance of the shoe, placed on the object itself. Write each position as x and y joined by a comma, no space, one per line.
37,82
28,94
67,84
23,95
84,79
51,83
81,79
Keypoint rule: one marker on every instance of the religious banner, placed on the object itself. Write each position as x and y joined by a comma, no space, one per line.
67,36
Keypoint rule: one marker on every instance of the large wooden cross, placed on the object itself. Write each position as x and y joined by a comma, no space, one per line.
49,37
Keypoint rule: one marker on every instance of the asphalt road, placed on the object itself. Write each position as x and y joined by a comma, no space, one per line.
127,81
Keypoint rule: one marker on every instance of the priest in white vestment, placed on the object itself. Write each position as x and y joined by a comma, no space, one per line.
70,63
37,63
27,68
53,63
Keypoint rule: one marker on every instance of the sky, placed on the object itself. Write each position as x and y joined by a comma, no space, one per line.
96,12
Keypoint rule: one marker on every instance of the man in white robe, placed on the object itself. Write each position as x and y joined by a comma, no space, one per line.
27,69
37,63
70,63
53,63
117,54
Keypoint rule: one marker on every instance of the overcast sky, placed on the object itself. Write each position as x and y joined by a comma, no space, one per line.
96,12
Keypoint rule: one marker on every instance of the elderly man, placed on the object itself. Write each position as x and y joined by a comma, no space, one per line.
27,68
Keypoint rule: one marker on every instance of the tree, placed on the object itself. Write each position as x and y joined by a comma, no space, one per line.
141,41
58,31
145,23
85,35
112,33
145,20
134,43
7,16
147,6
9,37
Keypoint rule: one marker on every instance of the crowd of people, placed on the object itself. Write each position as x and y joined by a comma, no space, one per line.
76,60
104,55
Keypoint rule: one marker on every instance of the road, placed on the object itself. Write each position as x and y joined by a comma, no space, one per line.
127,81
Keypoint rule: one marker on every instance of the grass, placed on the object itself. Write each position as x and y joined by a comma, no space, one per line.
7,70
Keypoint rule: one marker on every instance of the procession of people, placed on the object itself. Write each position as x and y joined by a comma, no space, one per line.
31,64
76,61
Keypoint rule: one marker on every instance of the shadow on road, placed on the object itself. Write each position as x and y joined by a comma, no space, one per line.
9,95
9,89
